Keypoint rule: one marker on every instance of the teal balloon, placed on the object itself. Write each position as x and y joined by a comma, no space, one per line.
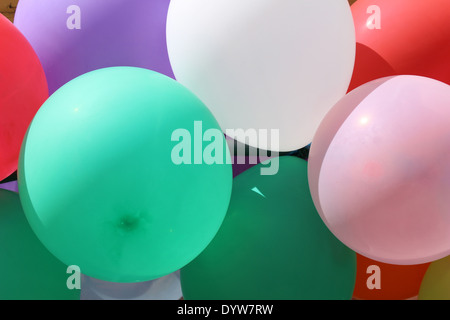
116,174
28,271
272,245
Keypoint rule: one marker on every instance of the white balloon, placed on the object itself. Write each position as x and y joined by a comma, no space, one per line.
264,64
164,288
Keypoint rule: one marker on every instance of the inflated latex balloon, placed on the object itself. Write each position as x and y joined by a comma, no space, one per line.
272,245
401,37
12,177
436,282
378,170
381,281
23,89
243,156
75,37
264,64
116,175
164,288
27,270
11,186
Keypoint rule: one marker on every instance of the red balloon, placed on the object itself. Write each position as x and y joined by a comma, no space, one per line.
401,37
396,282
23,89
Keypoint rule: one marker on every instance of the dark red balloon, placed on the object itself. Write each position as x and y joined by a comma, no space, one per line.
401,37
396,282
23,89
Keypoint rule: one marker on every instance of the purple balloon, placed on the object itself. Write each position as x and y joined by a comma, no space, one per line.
243,163
72,37
11,186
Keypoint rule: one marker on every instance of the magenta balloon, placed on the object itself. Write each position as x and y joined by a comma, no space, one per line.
72,37
379,170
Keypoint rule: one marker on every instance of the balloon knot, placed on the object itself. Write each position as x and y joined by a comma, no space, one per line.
128,222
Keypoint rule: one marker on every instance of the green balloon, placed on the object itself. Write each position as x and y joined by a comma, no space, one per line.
272,245
27,270
112,178
436,282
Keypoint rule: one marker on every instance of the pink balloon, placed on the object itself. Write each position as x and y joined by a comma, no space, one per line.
379,170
